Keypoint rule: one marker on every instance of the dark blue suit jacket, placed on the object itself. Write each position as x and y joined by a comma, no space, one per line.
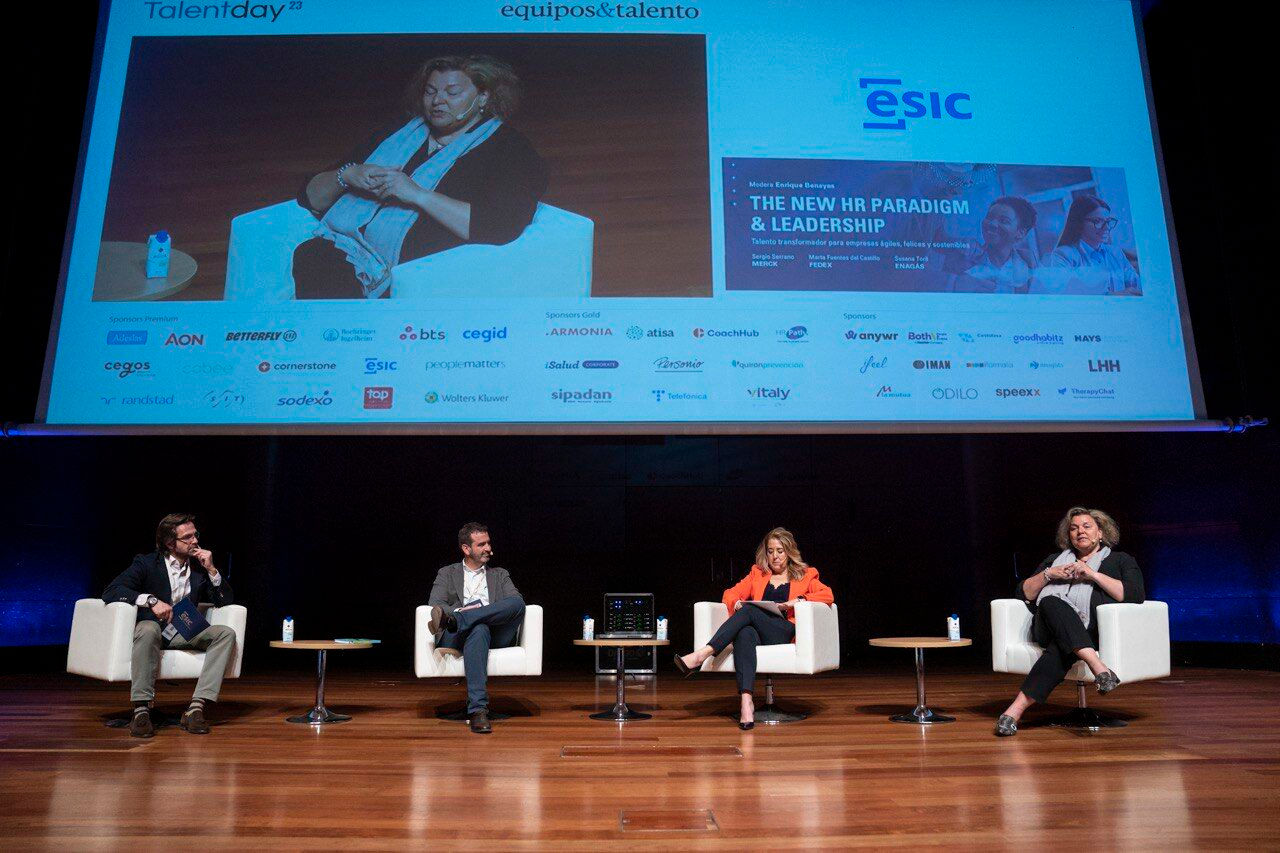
149,576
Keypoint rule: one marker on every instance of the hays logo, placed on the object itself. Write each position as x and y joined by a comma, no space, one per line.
127,368
931,364
378,365
873,337
378,397
889,106
1108,365
184,340
493,333
636,333
1088,339
411,333
1017,392
130,338
794,335
763,393
587,395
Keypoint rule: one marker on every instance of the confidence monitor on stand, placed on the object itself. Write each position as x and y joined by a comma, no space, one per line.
628,615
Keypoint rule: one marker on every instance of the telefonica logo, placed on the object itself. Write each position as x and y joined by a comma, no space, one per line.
889,106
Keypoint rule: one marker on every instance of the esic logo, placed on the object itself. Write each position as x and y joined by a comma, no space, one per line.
874,337
412,334
1110,365
306,400
184,340
287,336
127,338
1017,392
126,368
892,109
955,393
493,333
378,365
931,364
377,398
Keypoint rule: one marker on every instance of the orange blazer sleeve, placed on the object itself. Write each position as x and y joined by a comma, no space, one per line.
817,590
741,591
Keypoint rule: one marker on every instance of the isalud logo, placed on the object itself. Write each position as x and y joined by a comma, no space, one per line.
889,106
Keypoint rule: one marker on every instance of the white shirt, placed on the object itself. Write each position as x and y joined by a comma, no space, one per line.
179,581
475,585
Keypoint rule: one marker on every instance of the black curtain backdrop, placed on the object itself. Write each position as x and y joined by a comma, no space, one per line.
345,534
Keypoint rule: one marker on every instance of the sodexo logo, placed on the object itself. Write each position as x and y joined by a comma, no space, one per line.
184,339
127,337
493,333
307,399
378,397
889,107
421,334
374,365
955,393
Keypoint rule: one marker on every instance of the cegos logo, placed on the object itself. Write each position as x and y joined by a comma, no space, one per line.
126,368
131,338
378,365
889,110
493,333
377,397
412,334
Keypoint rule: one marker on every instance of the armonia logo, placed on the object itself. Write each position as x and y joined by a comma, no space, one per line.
890,110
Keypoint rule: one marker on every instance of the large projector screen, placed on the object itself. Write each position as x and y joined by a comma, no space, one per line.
704,214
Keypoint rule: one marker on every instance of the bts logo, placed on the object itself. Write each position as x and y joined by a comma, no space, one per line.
377,398
1110,365
890,110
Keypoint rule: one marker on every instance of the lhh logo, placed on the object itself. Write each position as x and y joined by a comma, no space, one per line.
890,109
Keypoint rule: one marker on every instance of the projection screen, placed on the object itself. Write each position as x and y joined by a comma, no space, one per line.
705,215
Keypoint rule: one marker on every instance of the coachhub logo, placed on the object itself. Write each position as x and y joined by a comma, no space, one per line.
129,338
127,368
184,340
890,110
725,333
587,395
871,337
422,334
493,333
288,336
378,397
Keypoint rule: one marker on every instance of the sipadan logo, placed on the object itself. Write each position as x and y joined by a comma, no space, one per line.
889,107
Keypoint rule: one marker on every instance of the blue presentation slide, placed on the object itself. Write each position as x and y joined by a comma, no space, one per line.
706,212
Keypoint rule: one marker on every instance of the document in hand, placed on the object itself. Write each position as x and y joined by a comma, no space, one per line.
187,620
769,606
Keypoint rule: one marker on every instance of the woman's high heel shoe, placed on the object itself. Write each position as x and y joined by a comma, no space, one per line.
746,727
684,668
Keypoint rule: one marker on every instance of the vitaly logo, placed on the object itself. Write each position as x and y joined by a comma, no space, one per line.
889,109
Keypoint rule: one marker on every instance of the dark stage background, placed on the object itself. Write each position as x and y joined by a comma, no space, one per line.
344,534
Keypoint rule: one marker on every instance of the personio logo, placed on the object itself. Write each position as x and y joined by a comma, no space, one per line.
127,338
874,337
889,109
725,333
378,365
378,397
184,340
244,10
580,331
1110,365
873,363
422,334
493,333
677,365
587,395
127,368
350,336
1088,339
288,336
954,393
887,391
306,400
1017,392
763,393
931,364
794,335
1038,338
1045,365
927,337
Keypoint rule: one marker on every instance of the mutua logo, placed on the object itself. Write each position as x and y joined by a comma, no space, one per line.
129,338
493,333
763,393
184,340
873,337
422,334
1109,365
887,391
587,395
889,109
579,331
378,365
1017,392
378,397
931,364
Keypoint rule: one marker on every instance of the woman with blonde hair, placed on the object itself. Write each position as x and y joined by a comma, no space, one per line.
1065,593
780,576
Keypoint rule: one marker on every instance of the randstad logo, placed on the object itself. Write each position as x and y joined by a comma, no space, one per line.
132,338
493,333
889,106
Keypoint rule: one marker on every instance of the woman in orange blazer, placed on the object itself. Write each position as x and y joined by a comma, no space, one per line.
779,575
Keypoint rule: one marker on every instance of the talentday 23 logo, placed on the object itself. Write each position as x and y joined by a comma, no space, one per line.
890,105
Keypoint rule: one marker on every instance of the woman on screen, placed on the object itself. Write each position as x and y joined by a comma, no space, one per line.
778,576
1065,593
454,173
1085,261
1000,263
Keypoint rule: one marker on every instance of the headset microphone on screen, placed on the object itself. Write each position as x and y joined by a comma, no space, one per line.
460,116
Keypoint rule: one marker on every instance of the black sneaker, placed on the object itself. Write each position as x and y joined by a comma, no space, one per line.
480,723
1006,726
140,725
1106,682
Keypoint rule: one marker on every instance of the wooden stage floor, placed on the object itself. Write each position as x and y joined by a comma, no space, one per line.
1198,766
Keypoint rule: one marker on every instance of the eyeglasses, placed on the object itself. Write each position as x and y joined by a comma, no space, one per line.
190,537
1105,223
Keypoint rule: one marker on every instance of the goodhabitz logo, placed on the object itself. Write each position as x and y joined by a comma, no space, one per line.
244,10
889,105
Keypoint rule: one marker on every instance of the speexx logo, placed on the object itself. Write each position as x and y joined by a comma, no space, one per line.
1108,365
378,365
890,109
131,337
288,336
931,364
1017,392
378,397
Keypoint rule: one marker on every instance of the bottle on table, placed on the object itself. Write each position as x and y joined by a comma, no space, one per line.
953,627
286,633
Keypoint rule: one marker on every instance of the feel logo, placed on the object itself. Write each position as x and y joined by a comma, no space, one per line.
889,109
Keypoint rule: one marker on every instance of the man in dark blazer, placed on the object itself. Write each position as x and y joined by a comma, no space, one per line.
179,568
475,607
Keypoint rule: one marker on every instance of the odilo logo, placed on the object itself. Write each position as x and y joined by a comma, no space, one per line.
890,109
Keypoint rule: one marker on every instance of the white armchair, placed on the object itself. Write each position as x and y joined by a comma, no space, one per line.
524,658
1133,640
551,258
102,642
816,649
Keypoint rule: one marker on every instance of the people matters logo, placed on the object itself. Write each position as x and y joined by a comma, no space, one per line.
890,105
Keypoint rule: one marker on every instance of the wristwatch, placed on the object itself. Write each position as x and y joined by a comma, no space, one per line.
152,601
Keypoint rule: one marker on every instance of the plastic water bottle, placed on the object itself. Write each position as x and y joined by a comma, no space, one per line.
588,628
158,255
662,628
286,633
953,627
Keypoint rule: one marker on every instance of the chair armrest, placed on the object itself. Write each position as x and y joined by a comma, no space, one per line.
101,644
708,616
260,252
425,664
1133,639
817,637
531,639
1010,625
234,616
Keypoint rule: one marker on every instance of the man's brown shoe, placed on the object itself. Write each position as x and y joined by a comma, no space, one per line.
480,723
140,725
193,722
440,621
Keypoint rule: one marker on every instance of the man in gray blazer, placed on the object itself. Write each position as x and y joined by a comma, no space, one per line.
475,607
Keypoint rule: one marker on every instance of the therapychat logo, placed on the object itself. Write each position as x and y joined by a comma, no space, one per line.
890,105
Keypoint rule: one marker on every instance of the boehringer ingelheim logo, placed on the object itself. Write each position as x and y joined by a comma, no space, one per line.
889,109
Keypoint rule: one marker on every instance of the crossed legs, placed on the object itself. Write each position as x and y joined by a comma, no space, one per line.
494,626
1065,639
744,630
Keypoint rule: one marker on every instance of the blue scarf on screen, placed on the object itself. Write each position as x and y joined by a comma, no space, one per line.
371,233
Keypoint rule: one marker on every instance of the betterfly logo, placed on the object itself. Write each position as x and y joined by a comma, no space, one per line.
890,105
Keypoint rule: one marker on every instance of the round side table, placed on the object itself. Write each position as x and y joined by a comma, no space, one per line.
319,715
921,714
122,273
620,713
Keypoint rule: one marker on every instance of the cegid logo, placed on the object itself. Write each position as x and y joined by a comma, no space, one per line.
306,400
493,333
378,397
127,368
889,110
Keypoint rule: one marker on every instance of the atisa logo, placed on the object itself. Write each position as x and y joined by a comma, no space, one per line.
636,333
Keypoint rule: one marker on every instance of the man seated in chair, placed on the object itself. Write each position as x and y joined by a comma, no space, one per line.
475,607
179,568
